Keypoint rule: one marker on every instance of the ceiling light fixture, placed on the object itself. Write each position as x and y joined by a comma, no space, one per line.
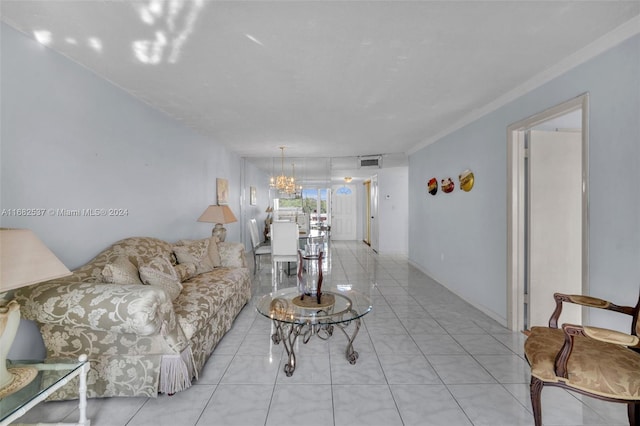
344,190
43,37
253,39
283,183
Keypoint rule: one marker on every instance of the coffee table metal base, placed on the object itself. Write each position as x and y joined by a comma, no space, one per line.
288,333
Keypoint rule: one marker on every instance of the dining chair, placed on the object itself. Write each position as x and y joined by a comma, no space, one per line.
592,361
257,247
284,245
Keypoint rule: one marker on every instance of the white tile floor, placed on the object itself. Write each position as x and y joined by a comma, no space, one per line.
426,358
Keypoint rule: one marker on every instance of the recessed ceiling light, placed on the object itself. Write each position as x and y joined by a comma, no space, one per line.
43,36
95,43
253,39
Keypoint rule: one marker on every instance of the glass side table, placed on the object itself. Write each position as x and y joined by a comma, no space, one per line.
17,404
294,316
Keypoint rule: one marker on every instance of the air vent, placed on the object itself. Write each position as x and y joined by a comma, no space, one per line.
371,161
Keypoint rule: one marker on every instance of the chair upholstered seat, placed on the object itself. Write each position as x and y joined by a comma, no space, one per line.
597,362
284,244
596,367
262,250
257,248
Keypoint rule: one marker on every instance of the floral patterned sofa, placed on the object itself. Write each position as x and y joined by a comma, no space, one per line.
148,313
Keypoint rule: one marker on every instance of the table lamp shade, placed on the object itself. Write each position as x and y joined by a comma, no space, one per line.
217,214
25,260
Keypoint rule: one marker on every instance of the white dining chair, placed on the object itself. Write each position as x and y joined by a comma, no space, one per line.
284,245
257,248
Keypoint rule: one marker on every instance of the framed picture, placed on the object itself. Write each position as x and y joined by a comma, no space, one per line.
222,189
252,195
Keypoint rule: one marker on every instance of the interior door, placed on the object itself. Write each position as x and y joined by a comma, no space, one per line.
375,243
343,213
554,187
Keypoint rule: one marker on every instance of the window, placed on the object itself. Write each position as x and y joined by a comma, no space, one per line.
313,201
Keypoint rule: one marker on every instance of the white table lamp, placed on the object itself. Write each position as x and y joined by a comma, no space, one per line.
219,215
24,260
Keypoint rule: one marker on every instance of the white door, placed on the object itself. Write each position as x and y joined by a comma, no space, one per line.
554,224
375,243
343,212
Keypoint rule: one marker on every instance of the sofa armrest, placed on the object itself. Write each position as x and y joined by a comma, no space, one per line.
232,254
139,309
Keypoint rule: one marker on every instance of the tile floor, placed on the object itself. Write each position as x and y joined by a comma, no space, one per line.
426,358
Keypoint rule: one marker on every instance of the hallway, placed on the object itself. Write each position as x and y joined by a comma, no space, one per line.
426,358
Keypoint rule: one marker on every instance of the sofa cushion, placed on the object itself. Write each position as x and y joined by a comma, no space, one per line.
203,295
160,273
232,254
185,271
121,271
214,252
133,248
196,252
213,249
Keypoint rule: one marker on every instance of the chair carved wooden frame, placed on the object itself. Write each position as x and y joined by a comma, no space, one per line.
592,361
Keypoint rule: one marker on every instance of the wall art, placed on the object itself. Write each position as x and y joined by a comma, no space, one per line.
447,185
222,189
432,186
466,180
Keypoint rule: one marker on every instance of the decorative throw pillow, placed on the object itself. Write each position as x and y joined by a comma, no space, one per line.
196,252
160,273
121,271
214,253
185,271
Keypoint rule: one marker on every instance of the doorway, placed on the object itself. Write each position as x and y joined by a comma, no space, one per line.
343,212
547,243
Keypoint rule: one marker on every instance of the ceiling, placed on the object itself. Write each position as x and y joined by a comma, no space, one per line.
329,80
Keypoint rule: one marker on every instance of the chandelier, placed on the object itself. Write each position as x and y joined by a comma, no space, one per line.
283,183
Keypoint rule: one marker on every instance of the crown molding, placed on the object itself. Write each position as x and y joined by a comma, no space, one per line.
604,43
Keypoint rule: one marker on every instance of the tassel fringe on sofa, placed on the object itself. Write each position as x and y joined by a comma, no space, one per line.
176,372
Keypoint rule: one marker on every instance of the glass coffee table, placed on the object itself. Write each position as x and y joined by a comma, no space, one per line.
294,315
49,378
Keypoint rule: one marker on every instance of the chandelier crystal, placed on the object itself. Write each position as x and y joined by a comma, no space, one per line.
283,183
290,187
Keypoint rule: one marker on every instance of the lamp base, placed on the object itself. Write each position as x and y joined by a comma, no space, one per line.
16,378
22,376
219,231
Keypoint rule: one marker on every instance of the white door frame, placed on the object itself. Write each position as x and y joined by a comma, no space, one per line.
367,212
375,230
516,205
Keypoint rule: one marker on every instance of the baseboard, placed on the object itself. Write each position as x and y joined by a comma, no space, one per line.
490,313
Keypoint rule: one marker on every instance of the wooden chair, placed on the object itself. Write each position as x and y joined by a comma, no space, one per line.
257,248
592,361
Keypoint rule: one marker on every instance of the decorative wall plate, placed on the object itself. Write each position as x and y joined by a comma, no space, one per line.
466,180
447,185
433,186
